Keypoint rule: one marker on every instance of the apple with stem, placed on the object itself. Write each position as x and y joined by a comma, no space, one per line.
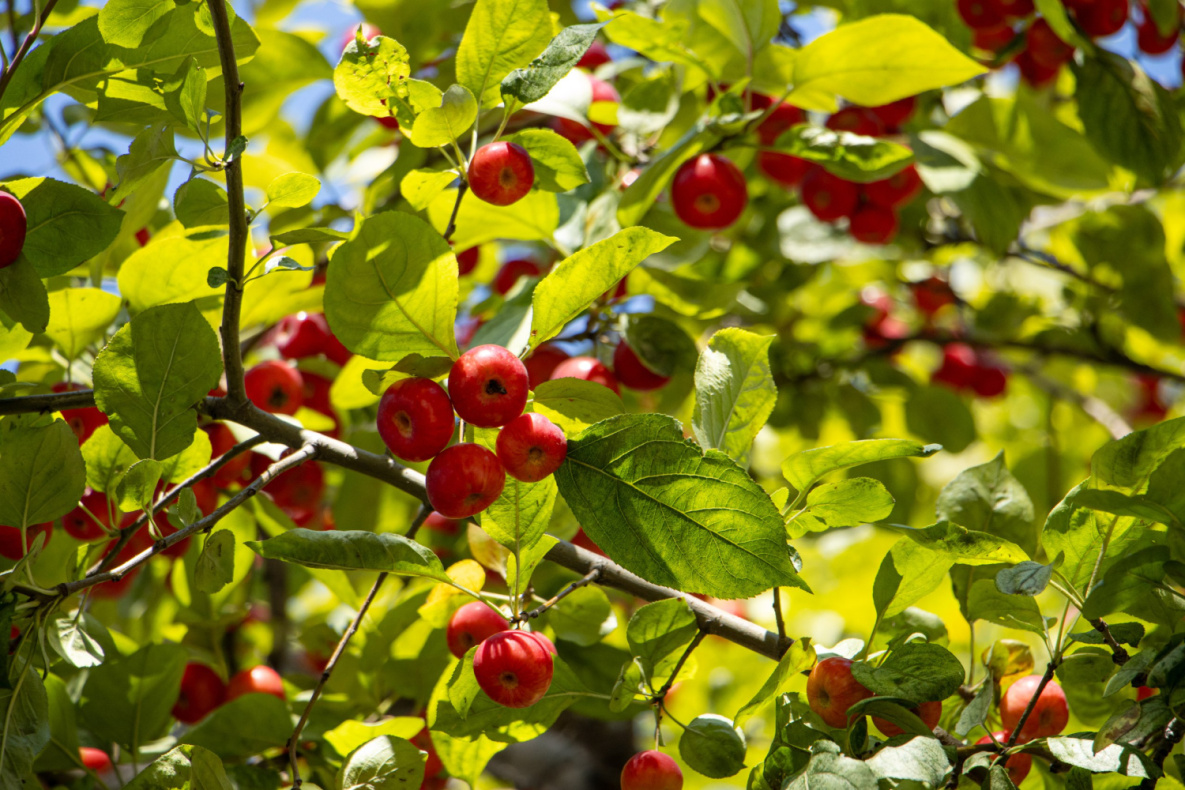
464,480
651,770
513,668
501,173
489,386
586,369
415,419
531,447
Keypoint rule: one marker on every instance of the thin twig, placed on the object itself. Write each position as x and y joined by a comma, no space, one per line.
26,45
237,205
1118,653
293,745
452,220
666,687
126,533
583,581
778,612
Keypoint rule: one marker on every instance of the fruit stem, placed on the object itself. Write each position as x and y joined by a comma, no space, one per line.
583,581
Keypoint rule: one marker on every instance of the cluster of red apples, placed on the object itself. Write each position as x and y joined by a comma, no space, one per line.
1007,28
831,690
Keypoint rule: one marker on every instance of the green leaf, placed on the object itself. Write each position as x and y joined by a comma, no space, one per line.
1131,580
135,489
199,202
907,574
989,499
151,150
352,550
584,617
243,727
519,517
660,506
501,35
311,236
349,735
804,469
921,760
658,633
371,78
127,700
187,101
532,83
151,374
124,22
1128,116
799,658
748,24
713,746
847,503
385,763
23,297
67,224
441,126
849,156
42,476
534,218
574,405
79,317
830,769
421,187
1126,464
216,564
292,190
986,602
1116,758
734,391
976,712
1139,506
1026,578
62,752
877,60
661,344
941,415
557,163
916,671
173,770
392,290
641,194
578,280
25,710
964,546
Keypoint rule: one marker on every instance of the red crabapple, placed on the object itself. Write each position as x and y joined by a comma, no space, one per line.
222,440
531,447
632,372
596,55
83,421
10,539
94,759
785,169
202,690
1050,715
857,120
501,173
1045,47
13,225
1103,18
1149,38
1034,73
781,120
256,680
709,192
510,273
543,362
91,519
897,190
301,335
586,369
442,524
651,770
831,690
1018,765
980,14
893,114
471,625
275,386
829,197
513,668
464,480
873,224
488,386
415,419
467,260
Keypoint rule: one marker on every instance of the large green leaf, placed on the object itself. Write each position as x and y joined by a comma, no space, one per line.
557,163
24,707
748,24
1128,463
533,218
127,700
42,475
672,513
579,279
989,499
151,374
532,83
965,546
846,503
392,290
804,469
23,297
352,550
141,283
66,224
917,671
658,633
501,35
79,317
986,602
441,126
734,392
907,574
519,517
574,404
124,22
244,726
876,61
372,80
1128,116
385,763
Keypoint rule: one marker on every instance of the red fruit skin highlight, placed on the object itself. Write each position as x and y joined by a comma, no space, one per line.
586,369
415,419
513,668
256,680
489,386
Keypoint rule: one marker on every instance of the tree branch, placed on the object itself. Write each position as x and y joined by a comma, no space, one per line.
293,745
1118,654
583,581
1174,731
239,232
50,402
